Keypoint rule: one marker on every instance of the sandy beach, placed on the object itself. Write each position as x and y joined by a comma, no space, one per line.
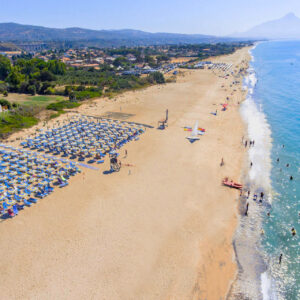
160,228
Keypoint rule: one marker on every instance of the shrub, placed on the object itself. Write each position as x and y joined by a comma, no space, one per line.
59,106
31,90
157,77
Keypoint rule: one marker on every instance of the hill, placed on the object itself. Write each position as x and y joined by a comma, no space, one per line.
287,27
12,32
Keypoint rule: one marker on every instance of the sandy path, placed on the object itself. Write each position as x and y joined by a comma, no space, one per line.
159,230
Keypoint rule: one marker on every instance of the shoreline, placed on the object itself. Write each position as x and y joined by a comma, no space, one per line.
151,238
252,264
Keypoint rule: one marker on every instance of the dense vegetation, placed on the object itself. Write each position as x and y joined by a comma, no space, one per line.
17,117
29,76
34,76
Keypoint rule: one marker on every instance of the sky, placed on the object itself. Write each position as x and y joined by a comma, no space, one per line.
217,17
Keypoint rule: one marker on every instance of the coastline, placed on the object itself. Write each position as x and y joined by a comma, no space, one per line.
251,281
140,236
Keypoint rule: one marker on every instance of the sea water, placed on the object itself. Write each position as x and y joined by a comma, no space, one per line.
272,114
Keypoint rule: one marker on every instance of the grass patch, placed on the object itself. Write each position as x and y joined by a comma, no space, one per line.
13,121
40,98
60,106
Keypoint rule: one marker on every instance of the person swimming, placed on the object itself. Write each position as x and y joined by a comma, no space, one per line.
293,230
291,178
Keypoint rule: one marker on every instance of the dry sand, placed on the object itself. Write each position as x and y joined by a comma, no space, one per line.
161,229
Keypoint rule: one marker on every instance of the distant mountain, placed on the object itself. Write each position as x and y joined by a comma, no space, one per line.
287,27
12,32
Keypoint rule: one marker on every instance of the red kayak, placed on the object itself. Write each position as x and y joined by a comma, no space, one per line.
232,184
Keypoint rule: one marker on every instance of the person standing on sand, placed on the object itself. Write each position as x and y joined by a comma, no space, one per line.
222,162
247,207
262,195
246,144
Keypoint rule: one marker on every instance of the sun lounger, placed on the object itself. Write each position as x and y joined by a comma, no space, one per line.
33,200
15,209
27,203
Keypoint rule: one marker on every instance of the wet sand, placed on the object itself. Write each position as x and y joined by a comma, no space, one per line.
161,229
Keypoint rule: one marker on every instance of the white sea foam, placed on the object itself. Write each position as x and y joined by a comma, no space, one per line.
267,287
259,131
258,178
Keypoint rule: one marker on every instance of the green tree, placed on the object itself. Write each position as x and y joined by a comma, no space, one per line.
32,90
14,78
56,67
158,77
46,75
119,61
5,67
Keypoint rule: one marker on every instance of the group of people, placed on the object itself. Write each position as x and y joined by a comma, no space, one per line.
249,143
256,196
287,165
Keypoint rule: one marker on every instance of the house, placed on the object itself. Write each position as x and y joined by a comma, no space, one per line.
130,57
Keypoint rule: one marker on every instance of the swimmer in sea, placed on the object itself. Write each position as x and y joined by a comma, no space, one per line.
291,178
280,258
293,230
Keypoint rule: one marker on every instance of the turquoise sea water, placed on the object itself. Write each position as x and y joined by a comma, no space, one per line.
276,95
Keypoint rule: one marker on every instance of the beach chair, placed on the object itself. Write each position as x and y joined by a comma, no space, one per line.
63,184
33,200
15,209
27,203
19,206
18,198
41,194
4,205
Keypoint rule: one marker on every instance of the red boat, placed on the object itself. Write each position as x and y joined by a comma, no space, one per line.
231,183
